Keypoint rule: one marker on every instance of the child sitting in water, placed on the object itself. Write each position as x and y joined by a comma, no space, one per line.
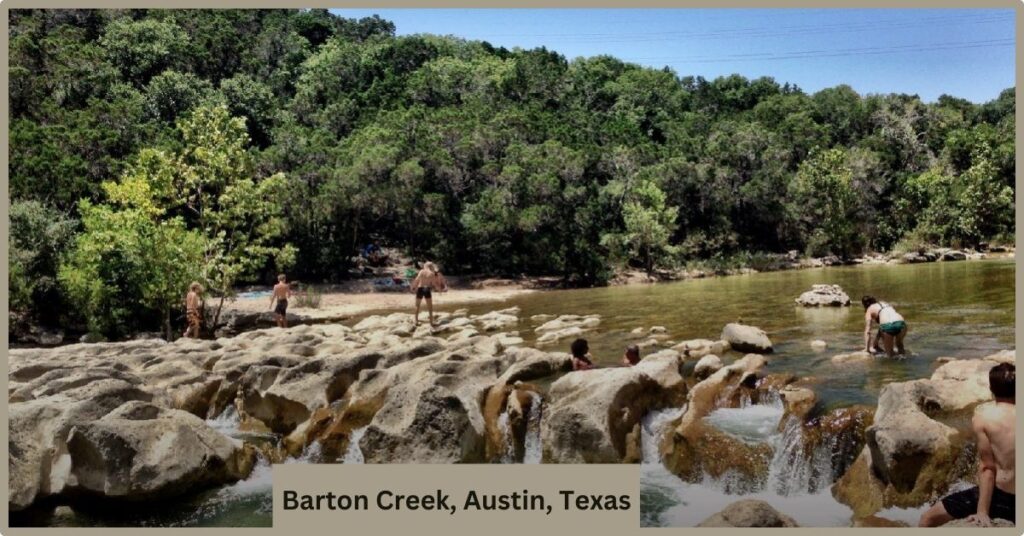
581,359
631,356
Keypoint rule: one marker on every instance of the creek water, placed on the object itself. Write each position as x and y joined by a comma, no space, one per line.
955,309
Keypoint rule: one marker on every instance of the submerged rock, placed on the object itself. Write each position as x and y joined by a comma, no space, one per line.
859,356
743,338
824,296
698,348
749,513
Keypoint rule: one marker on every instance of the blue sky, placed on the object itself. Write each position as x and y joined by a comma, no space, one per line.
968,53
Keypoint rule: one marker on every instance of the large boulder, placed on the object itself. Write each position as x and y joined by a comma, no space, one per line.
698,348
824,296
743,338
707,366
749,513
911,456
144,452
594,416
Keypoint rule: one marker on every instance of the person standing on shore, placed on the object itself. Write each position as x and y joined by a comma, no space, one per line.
994,427
427,280
282,291
892,327
193,310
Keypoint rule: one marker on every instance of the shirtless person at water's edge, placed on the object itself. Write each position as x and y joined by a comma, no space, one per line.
427,280
994,427
282,291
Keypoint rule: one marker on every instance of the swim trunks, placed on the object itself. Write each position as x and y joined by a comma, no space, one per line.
965,503
282,306
423,292
194,318
893,328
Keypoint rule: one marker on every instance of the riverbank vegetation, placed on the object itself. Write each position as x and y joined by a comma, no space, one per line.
152,148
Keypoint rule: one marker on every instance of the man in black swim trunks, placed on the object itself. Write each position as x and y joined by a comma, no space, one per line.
282,291
426,281
994,426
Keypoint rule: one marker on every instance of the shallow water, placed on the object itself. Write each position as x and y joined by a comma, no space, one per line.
961,309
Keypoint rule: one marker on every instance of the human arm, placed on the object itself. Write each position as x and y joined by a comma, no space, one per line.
869,343
986,473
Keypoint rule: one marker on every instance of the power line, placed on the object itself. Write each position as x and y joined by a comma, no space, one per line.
810,54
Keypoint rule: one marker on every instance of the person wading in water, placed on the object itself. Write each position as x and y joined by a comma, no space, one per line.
193,310
428,280
994,427
282,291
892,327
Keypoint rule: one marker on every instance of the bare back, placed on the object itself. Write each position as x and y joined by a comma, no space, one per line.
427,279
281,291
191,301
994,424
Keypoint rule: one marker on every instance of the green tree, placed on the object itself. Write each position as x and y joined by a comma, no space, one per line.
647,225
824,203
141,49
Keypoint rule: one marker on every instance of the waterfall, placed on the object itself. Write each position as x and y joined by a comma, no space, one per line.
354,454
227,422
652,427
532,442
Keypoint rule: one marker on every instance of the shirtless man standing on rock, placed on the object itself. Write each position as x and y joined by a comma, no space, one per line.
428,280
994,428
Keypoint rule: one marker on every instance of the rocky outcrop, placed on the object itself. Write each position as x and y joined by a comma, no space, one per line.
743,338
693,448
707,366
594,416
749,513
565,327
824,296
911,456
698,348
143,452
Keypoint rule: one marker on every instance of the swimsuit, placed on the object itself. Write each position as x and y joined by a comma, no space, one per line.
965,503
890,328
282,306
194,318
423,292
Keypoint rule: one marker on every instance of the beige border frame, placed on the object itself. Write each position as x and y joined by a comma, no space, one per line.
454,528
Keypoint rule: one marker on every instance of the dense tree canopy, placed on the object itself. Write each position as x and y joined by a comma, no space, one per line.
484,159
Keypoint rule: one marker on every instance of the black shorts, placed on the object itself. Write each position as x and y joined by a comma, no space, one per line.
965,503
423,292
282,306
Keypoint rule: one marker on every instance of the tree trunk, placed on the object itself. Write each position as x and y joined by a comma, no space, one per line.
167,323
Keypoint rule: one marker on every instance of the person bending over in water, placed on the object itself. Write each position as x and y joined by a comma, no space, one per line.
428,280
892,327
994,428
193,306
282,291
631,356
581,359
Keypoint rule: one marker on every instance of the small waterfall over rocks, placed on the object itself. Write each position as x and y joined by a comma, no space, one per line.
354,454
531,440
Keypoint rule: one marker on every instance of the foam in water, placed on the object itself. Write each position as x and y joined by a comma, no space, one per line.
754,423
226,423
354,454
652,427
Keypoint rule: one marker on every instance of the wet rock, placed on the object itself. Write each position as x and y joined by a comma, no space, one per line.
852,358
910,457
658,330
798,401
594,416
698,348
875,521
824,296
550,337
707,366
693,448
819,345
565,322
749,513
954,255
148,452
996,523
743,338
